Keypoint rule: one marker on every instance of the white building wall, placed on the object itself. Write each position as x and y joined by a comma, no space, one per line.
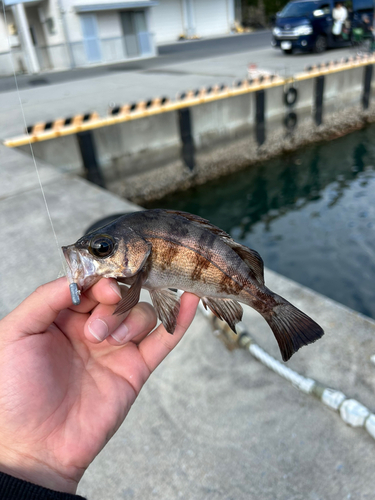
50,10
51,20
5,61
167,21
4,43
7,34
39,40
73,25
203,18
211,17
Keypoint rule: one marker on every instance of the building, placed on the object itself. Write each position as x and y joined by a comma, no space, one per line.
172,19
39,35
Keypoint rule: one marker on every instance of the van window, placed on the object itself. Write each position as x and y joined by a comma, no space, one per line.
299,9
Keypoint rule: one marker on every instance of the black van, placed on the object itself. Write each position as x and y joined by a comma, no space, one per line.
307,25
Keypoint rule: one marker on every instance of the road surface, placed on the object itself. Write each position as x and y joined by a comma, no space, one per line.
168,54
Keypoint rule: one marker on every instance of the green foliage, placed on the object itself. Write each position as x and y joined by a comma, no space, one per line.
270,6
273,6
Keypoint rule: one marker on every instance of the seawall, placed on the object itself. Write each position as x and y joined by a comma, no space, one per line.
146,150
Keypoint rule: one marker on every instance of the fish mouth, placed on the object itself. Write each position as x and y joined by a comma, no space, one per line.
81,268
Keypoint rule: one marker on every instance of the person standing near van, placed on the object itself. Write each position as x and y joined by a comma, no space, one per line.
339,14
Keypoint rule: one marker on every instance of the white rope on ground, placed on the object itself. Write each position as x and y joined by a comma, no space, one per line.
351,411
302,383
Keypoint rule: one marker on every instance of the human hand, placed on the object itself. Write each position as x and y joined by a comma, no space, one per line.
63,391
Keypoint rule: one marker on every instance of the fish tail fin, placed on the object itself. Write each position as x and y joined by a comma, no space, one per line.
291,327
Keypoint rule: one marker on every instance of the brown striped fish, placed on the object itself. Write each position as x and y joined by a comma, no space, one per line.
161,250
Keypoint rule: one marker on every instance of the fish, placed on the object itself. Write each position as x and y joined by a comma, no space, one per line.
164,251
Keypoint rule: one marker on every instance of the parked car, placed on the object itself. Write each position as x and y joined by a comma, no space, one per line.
308,25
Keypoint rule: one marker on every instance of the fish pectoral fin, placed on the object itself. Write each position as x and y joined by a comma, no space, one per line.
131,297
167,306
225,309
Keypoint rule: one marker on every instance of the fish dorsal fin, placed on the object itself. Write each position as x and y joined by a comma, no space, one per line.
225,309
131,297
200,222
252,258
167,306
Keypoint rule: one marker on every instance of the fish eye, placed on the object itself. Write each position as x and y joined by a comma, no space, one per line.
101,246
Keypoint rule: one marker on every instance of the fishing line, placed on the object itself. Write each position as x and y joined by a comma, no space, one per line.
31,147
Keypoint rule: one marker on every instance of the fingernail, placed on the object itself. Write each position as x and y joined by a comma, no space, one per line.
115,287
99,329
120,333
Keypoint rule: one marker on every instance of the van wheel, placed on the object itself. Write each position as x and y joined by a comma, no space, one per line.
288,51
320,44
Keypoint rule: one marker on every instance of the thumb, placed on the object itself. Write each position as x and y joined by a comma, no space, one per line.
39,310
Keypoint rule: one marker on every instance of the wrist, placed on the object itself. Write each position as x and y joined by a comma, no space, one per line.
37,472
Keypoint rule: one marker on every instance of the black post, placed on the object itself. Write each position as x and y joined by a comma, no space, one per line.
367,77
88,152
188,148
319,94
259,117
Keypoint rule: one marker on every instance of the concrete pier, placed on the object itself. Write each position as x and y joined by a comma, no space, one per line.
210,423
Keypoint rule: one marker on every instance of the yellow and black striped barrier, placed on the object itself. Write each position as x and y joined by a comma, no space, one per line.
336,66
79,123
61,127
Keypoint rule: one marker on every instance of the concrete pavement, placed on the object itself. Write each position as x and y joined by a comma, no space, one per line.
210,424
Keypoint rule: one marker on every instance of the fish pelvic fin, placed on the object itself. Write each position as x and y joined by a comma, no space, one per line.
167,306
292,328
131,297
225,309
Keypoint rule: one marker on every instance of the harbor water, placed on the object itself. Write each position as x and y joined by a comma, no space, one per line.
310,214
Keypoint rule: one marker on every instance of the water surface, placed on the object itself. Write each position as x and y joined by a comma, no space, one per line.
310,214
